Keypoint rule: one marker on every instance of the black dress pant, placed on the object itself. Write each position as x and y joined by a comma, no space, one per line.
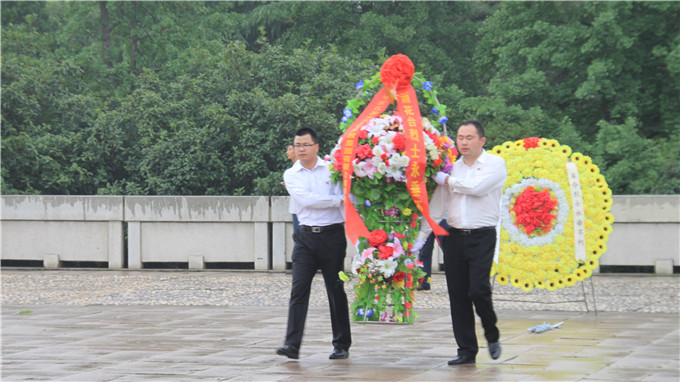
468,257
314,251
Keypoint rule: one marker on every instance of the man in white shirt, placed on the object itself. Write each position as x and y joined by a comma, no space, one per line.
320,243
471,196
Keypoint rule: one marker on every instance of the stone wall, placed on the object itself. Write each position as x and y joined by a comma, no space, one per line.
251,229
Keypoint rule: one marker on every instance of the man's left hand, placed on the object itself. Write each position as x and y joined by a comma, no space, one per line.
440,178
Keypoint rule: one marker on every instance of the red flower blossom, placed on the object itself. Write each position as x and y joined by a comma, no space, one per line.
399,277
377,238
437,162
407,305
364,151
338,160
399,235
533,210
396,72
375,140
399,142
385,252
530,143
363,134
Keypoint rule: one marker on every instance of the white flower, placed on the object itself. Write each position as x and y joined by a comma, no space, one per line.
395,172
376,127
382,168
399,160
428,126
359,169
377,152
387,267
357,263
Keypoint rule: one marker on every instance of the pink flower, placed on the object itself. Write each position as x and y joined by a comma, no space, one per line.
398,249
367,253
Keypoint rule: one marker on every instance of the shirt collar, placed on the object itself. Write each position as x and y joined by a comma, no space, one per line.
483,157
297,166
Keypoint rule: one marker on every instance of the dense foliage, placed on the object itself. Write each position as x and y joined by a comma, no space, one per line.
198,98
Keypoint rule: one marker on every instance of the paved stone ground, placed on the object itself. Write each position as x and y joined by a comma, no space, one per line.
100,325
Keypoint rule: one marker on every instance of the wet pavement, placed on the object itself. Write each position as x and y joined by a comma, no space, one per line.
100,325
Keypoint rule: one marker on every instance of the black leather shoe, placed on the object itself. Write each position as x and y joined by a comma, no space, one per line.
339,354
288,351
495,349
462,360
422,287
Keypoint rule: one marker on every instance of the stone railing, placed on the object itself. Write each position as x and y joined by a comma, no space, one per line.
254,231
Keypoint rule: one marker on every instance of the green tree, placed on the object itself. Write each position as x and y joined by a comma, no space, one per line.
572,69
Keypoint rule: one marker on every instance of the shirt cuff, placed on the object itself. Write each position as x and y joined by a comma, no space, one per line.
422,236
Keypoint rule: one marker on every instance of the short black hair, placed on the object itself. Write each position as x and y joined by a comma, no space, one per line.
306,130
478,126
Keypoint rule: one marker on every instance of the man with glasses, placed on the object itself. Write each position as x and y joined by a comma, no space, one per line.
320,243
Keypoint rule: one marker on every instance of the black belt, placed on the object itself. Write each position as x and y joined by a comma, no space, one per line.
321,229
468,232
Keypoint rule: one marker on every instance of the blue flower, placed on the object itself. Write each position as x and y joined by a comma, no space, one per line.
367,203
427,85
344,120
369,312
347,113
359,85
443,120
434,110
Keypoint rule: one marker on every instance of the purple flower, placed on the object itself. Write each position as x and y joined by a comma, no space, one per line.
443,120
447,168
359,85
390,237
427,85
393,211
434,110
347,112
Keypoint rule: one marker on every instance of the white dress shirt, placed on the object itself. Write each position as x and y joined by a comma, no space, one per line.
317,198
472,196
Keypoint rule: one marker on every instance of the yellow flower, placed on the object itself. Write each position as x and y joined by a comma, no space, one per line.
502,279
343,276
406,212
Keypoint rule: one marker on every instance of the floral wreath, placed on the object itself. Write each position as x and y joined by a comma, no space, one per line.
386,270
555,218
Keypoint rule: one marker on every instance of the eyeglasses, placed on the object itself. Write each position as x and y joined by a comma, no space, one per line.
303,145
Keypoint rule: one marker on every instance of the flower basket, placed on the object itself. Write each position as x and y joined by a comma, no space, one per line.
555,218
380,168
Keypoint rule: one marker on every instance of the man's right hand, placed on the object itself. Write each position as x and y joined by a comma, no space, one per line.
417,246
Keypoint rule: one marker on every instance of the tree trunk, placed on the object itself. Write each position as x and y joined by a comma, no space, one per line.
106,33
133,38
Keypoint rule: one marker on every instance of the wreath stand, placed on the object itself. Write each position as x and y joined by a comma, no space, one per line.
583,288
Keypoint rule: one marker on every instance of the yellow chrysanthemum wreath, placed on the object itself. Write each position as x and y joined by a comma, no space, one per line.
537,243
